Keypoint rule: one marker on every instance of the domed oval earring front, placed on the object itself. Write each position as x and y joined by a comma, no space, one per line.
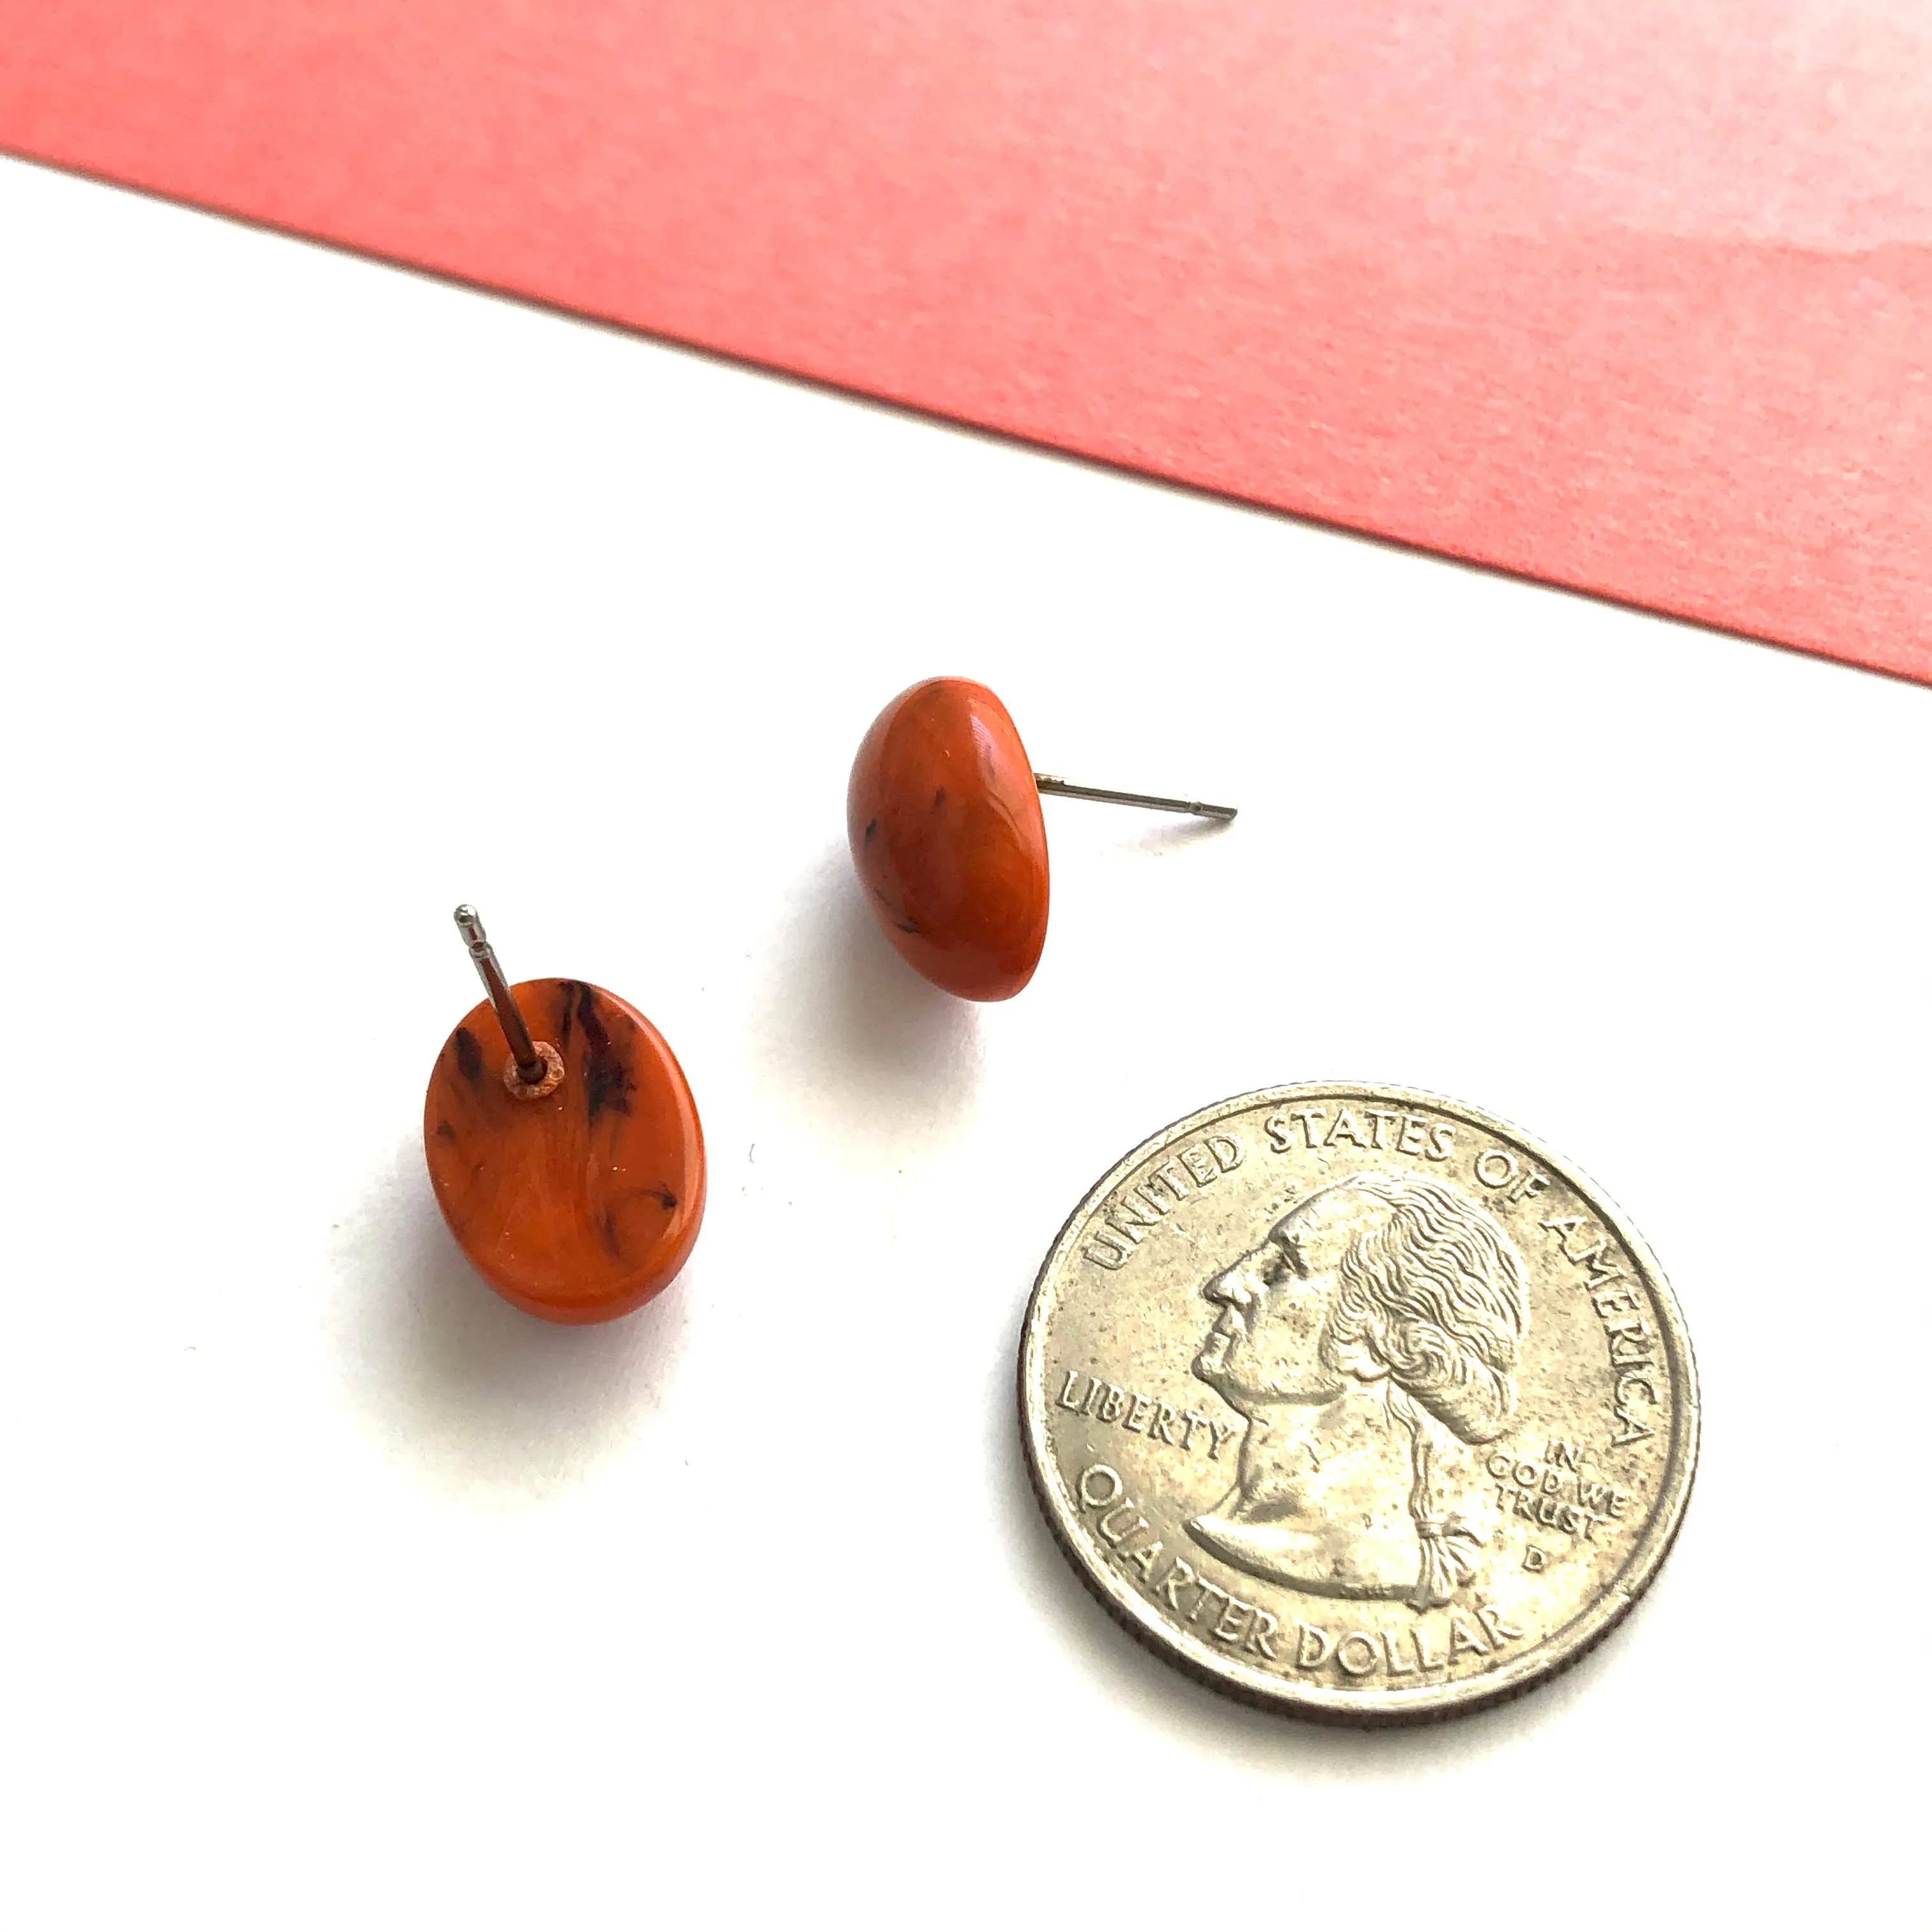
570,1167
942,812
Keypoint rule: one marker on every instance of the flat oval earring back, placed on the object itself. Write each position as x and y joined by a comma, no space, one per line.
563,1145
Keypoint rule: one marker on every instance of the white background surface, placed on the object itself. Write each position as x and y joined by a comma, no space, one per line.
336,1593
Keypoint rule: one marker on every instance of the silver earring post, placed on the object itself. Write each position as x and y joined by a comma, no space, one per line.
531,1066
1060,788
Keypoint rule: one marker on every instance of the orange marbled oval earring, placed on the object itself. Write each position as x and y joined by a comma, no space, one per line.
946,833
580,1199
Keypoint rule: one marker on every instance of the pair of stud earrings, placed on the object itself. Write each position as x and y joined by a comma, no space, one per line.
563,1143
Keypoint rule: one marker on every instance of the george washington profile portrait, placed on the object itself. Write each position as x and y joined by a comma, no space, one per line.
1381,1316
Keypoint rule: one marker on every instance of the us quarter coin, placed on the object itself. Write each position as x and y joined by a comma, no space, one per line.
1358,1402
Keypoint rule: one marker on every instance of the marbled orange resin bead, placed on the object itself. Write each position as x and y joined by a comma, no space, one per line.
579,1206
947,832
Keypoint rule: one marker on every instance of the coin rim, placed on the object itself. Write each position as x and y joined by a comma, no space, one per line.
1423,1705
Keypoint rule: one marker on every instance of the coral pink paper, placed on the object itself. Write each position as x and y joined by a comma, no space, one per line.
1633,296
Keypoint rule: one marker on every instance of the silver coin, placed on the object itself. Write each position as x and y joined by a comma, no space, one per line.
1358,1402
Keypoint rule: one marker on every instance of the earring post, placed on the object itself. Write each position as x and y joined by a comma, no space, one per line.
1060,788
530,1064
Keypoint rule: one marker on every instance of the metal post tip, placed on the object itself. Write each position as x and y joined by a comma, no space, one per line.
530,1064
1194,807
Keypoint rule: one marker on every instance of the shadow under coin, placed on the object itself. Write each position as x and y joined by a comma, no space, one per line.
483,1400
857,1041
